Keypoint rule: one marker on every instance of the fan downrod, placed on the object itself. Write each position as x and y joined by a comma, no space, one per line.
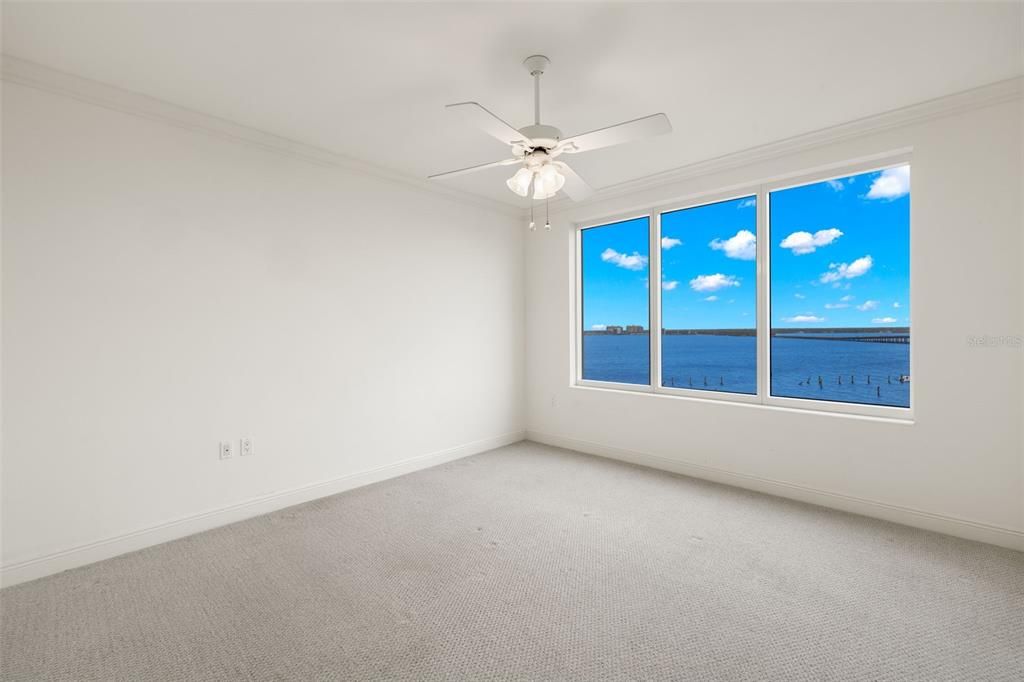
544,137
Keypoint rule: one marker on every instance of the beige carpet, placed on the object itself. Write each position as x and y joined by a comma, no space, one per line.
530,562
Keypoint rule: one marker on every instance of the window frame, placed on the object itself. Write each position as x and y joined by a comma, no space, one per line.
578,298
761,191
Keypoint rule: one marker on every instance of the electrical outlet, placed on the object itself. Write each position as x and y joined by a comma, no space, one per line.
245,447
225,449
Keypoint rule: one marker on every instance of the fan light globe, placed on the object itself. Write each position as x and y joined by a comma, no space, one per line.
548,182
520,182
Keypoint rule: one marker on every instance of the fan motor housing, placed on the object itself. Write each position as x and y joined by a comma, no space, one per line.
542,136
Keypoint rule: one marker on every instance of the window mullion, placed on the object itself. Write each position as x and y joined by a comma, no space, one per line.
763,297
654,299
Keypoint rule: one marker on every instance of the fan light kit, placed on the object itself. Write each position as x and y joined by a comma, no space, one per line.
536,148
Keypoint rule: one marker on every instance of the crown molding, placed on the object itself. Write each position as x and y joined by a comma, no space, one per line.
30,74
949,105
23,72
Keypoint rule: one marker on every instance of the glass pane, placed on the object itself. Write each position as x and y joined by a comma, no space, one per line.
616,314
709,297
840,289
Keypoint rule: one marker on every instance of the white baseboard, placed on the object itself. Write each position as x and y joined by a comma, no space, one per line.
49,564
940,523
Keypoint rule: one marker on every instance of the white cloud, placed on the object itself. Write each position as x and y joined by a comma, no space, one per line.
892,183
668,242
838,271
747,203
741,246
805,242
895,304
630,262
669,286
836,185
598,327
847,298
711,298
800,296
713,282
836,306
804,318
867,305
884,320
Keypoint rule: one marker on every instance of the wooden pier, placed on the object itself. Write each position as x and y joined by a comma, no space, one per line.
892,338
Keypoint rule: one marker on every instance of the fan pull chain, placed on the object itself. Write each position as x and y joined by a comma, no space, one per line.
533,225
547,218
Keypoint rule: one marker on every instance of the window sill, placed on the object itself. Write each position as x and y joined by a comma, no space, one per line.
873,413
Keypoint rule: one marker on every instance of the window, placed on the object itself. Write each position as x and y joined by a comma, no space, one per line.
614,262
788,294
840,283
709,297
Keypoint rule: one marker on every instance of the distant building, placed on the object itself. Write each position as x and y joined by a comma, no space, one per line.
613,329
634,328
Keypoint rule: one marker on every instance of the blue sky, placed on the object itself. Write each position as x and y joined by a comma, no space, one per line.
708,261
840,254
615,269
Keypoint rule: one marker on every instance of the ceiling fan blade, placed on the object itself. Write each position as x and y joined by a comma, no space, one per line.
575,187
648,126
473,169
483,119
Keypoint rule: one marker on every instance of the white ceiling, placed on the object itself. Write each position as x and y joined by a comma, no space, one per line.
370,80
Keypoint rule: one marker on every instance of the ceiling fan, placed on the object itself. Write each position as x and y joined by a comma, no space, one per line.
536,148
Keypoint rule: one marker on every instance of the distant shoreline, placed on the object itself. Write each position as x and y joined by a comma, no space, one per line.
753,332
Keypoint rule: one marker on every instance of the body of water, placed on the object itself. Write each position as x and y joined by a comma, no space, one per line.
850,371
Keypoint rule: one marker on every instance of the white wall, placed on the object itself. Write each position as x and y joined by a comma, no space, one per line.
166,289
959,467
